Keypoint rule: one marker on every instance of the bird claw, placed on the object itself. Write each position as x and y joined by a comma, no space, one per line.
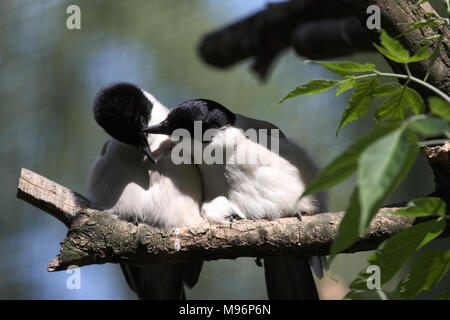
233,217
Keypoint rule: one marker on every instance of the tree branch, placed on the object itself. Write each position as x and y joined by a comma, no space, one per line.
265,34
326,39
394,16
439,160
97,237
324,29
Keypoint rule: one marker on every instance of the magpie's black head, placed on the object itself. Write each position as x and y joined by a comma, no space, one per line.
124,111
212,115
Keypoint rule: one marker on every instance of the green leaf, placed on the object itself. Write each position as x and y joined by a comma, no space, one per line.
371,295
423,207
344,86
414,100
359,284
348,228
392,49
360,102
427,271
443,296
447,42
433,37
439,107
420,55
389,55
428,126
418,3
433,15
387,89
362,295
345,68
382,166
394,252
420,24
345,164
395,107
434,55
312,87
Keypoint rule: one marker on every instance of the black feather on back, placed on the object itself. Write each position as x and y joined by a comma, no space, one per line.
123,111
213,115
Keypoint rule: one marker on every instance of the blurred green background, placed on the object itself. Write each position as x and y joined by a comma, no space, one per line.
49,76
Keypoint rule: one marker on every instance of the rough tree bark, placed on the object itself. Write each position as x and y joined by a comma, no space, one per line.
439,160
394,15
96,237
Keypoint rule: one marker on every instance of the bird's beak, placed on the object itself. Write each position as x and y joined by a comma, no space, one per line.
156,129
146,149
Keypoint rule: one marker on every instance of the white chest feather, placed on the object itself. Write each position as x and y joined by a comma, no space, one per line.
258,183
127,184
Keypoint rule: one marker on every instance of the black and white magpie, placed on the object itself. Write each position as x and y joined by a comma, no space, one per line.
125,181
267,188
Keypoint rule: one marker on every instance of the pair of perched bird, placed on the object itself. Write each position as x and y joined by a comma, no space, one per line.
135,178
